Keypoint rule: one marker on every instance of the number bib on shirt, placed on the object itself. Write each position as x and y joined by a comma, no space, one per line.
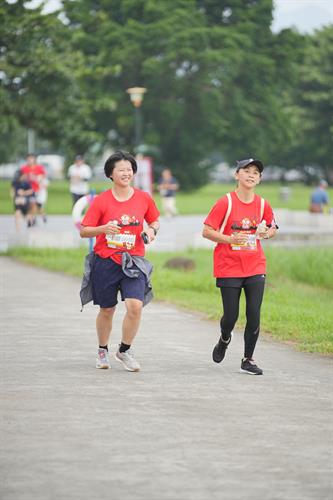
121,240
21,200
249,245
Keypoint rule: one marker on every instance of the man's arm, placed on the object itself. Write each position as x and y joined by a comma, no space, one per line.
175,186
25,192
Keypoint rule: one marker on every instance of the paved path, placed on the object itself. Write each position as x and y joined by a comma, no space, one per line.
181,429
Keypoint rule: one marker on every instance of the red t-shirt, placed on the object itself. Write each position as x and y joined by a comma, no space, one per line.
238,261
129,215
33,173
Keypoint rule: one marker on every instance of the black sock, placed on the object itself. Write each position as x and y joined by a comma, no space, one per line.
104,347
124,347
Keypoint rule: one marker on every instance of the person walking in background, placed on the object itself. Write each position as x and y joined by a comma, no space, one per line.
21,192
79,174
116,219
236,223
319,198
167,186
36,175
41,198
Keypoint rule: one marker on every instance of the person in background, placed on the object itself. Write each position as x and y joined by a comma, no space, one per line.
35,174
167,186
21,192
79,174
319,198
41,198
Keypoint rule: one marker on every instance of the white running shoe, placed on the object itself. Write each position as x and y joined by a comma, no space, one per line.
102,359
128,360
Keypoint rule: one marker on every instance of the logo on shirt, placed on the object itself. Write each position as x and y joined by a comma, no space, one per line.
245,224
127,220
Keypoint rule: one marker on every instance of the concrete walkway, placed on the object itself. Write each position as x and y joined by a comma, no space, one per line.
181,429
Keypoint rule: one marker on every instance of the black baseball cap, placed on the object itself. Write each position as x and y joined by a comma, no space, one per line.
250,161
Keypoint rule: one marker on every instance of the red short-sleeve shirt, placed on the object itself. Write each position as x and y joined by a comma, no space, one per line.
33,173
129,215
235,261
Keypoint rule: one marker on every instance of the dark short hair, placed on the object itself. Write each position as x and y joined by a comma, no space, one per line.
118,156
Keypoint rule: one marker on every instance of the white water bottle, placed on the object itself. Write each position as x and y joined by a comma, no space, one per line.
260,229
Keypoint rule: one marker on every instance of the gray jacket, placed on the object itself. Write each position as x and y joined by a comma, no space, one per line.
127,263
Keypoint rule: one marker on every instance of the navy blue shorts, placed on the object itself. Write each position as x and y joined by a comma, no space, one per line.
108,279
22,208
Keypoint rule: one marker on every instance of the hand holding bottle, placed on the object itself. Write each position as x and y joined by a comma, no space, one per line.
262,230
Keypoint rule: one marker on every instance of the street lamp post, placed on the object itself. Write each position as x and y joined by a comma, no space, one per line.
136,96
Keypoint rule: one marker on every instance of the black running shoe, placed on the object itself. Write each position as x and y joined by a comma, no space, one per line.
220,348
249,366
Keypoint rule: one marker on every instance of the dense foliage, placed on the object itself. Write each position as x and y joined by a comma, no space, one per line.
220,83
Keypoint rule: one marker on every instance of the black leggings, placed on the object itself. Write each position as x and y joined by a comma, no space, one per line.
254,292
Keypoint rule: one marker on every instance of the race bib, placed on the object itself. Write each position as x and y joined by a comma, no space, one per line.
21,200
249,245
121,240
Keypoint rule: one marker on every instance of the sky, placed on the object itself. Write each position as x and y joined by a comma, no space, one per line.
305,15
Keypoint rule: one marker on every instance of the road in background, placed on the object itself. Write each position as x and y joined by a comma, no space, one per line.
177,233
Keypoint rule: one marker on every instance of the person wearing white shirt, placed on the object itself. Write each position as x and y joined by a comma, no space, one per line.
79,174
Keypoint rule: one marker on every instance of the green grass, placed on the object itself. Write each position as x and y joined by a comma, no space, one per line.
298,299
196,202
201,201
59,198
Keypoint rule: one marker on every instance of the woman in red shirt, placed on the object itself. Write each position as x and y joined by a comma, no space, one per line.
236,223
116,219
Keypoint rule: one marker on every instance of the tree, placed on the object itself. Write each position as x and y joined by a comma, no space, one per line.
218,80
315,100
209,71
38,86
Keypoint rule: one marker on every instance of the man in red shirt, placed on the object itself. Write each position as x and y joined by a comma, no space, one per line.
116,219
35,174
236,223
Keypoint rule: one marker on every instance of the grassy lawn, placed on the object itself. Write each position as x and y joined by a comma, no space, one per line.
196,202
298,298
59,198
200,201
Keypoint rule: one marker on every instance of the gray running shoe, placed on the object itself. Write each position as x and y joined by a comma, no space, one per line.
102,359
128,360
249,366
220,349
